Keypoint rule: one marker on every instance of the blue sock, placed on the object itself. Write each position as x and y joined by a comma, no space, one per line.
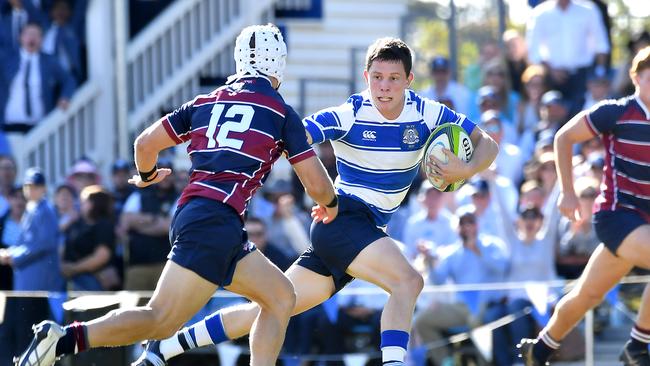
393,345
207,331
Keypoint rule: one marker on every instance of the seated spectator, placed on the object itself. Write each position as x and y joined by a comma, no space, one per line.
598,88
473,74
534,86
444,88
61,41
553,112
10,230
578,239
515,56
90,244
65,203
30,82
7,181
256,230
488,99
146,218
83,174
474,259
509,162
287,226
433,223
496,76
531,194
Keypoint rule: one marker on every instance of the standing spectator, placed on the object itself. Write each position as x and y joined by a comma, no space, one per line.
578,239
567,36
488,99
90,244
7,180
433,223
516,58
473,259
29,82
598,89
10,232
19,14
146,217
444,88
496,75
61,40
35,262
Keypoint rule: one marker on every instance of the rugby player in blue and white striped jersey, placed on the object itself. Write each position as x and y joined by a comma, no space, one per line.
378,138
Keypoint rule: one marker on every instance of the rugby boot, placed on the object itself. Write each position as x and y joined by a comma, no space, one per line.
42,349
151,355
525,348
634,357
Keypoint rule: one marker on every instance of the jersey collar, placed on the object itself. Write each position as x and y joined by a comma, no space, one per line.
642,105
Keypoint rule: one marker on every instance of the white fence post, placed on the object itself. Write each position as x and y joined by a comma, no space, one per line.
589,338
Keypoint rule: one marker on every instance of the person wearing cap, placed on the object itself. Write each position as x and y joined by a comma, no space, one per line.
443,87
509,162
478,194
621,214
121,189
432,224
83,174
553,112
35,261
488,100
598,88
471,259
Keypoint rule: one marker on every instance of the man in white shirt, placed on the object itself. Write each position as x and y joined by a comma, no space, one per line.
567,36
444,89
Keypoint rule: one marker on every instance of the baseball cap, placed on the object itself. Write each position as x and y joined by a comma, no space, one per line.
120,165
478,186
34,176
487,92
552,97
599,74
439,63
84,166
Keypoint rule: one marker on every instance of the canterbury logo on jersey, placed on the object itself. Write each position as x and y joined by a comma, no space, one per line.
369,135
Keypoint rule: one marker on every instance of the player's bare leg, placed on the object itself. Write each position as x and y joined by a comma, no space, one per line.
383,264
236,321
259,280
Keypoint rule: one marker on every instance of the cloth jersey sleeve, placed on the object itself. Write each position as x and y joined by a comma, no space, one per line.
602,117
295,139
435,114
178,123
330,123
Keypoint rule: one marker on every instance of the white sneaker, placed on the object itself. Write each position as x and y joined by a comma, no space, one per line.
42,350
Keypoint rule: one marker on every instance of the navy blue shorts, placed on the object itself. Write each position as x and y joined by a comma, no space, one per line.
335,245
208,238
613,226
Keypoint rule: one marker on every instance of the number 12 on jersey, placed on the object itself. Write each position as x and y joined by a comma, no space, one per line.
245,114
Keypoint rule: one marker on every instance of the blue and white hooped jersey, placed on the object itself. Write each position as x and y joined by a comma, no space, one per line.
376,158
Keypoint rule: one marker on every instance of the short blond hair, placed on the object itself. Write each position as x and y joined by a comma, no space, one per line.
641,61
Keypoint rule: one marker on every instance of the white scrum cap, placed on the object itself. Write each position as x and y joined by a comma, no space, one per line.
260,49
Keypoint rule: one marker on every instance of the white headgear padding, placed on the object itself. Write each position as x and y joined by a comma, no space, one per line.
260,49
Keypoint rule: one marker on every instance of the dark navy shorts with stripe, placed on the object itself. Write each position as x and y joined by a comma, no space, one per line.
335,245
208,238
612,227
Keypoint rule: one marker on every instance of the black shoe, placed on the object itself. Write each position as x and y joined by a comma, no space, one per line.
635,357
525,348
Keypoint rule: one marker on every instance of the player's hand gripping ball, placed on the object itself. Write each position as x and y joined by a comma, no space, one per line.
450,136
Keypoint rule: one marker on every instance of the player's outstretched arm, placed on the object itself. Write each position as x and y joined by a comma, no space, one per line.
151,141
318,186
573,132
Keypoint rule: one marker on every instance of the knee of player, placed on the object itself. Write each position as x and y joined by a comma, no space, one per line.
281,301
590,294
413,282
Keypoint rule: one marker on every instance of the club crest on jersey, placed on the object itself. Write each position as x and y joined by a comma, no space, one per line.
410,136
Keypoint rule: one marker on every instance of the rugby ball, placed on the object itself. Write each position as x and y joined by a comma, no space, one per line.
450,136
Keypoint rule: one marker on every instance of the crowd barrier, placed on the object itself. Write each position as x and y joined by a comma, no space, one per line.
541,294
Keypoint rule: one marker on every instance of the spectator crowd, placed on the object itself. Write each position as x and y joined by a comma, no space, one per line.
94,233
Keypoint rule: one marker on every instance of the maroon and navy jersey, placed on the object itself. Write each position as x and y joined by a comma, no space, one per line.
624,127
236,133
